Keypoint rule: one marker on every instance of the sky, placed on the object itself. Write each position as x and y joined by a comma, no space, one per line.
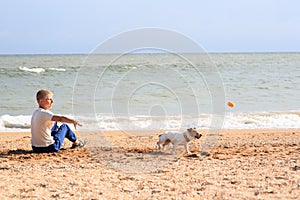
70,26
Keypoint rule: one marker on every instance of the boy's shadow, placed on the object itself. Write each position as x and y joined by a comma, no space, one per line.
19,151
23,152
15,152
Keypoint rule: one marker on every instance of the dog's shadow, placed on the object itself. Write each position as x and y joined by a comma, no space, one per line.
158,153
181,154
152,152
155,152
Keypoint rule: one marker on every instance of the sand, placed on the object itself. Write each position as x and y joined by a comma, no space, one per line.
244,164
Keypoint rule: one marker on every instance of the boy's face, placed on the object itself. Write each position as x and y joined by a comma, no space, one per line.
46,102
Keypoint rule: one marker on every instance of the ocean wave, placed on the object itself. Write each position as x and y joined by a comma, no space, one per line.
261,120
57,69
40,70
32,70
14,123
242,120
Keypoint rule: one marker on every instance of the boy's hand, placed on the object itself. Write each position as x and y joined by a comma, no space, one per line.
76,123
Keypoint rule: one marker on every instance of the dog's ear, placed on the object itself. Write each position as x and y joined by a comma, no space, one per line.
189,129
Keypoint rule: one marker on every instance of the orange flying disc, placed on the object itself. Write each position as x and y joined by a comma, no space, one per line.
230,104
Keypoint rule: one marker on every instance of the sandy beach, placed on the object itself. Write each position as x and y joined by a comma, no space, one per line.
244,164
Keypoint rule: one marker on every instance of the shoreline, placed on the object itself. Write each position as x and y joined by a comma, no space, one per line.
247,164
143,130
270,120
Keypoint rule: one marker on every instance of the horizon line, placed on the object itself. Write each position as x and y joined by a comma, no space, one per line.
113,53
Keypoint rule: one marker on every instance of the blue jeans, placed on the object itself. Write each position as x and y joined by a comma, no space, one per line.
58,134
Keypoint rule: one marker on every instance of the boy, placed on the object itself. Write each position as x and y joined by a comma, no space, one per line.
46,137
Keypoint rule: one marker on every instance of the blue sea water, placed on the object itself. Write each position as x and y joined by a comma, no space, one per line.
155,91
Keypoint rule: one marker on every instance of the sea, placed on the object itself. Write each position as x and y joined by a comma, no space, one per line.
155,91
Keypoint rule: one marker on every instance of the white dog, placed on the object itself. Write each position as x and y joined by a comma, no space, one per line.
177,138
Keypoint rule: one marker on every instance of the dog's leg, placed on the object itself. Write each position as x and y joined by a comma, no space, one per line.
160,141
158,145
174,148
186,146
166,143
165,146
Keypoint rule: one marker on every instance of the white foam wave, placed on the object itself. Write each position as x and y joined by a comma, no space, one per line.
40,70
265,120
262,120
57,69
15,123
32,70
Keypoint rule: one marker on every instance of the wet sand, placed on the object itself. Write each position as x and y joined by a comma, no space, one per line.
244,164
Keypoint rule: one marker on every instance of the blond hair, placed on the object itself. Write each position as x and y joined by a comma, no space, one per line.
41,94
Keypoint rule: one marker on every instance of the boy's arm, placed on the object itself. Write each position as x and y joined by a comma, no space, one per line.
64,119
